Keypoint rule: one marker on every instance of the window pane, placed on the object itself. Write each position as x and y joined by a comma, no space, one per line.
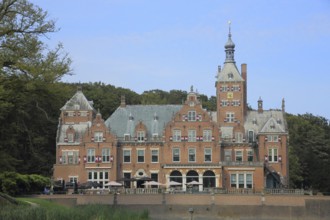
127,156
154,156
176,154
241,180
233,180
208,154
192,155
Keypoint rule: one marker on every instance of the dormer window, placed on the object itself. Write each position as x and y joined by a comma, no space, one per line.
140,136
230,76
70,137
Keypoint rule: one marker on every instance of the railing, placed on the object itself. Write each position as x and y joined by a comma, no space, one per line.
241,163
233,191
280,191
288,191
143,191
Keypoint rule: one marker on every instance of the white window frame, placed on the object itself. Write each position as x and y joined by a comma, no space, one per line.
176,135
192,115
72,179
98,136
273,155
240,180
250,140
154,153
191,153
130,155
250,153
140,136
99,176
138,156
230,116
106,152
191,135
207,152
176,154
228,155
238,155
91,155
207,135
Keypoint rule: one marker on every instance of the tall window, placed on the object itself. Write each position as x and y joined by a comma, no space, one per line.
250,155
154,156
140,136
239,137
228,155
191,116
238,155
251,136
192,155
176,135
140,156
191,135
98,176
230,116
207,135
176,154
106,155
98,136
241,180
207,154
70,157
127,155
90,155
272,155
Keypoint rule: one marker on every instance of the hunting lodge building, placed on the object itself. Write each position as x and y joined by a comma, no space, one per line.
231,148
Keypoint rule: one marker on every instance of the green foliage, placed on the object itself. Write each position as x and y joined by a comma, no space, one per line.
309,151
13,183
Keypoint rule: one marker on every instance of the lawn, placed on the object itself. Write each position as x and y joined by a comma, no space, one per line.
36,208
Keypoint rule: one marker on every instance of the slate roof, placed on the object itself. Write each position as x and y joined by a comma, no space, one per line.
154,117
80,130
227,69
269,121
78,102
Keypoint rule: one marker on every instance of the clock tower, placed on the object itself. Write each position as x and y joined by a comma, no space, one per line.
231,95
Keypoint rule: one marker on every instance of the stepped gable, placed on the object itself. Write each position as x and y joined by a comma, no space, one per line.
154,117
271,121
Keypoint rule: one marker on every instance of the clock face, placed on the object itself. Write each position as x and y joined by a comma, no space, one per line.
230,95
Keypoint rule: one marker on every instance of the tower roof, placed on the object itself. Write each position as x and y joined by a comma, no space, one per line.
229,71
78,102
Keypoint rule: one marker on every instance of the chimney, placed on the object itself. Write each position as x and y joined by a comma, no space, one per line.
283,105
260,108
122,101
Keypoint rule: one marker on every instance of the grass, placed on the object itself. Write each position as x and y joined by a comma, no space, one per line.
48,210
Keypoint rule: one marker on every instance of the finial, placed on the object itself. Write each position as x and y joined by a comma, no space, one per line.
229,24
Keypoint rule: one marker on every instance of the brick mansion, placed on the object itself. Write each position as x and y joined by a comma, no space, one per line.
233,147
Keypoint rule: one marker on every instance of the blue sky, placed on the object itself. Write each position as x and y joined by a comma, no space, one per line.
173,44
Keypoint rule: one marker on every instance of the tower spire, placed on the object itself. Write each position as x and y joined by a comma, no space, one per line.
229,47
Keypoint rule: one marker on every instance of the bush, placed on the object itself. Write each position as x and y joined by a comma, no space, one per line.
18,184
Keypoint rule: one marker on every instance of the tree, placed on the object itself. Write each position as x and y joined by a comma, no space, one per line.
29,89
